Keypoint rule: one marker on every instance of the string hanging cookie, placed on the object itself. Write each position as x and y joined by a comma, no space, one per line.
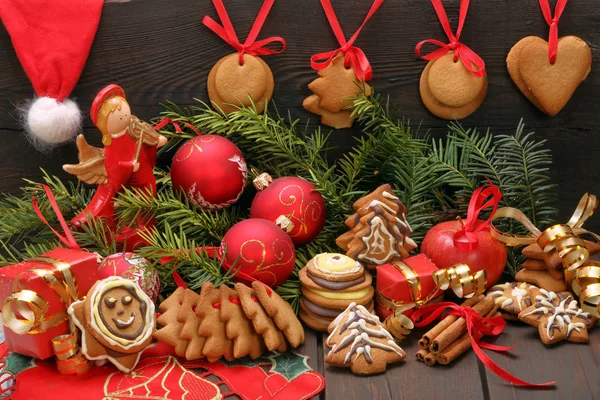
242,79
343,74
451,89
548,73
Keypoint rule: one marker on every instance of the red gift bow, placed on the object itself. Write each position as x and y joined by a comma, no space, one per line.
352,55
553,22
477,326
250,46
166,121
68,239
469,58
465,238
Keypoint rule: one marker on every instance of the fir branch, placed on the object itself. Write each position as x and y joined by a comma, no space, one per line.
195,267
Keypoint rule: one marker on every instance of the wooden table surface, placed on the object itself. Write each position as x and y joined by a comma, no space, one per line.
574,367
158,50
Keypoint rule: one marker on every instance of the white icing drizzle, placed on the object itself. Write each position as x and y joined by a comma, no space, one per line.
360,334
376,242
518,293
507,302
388,195
343,259
560,315
376,203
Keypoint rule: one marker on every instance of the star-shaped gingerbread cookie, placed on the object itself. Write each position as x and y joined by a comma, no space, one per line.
557,317
117,321
512,297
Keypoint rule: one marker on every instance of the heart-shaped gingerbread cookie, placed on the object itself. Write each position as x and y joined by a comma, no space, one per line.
551,85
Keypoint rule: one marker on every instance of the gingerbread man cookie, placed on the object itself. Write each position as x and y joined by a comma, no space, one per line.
117,321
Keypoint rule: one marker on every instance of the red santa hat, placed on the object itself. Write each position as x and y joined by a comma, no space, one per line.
52,39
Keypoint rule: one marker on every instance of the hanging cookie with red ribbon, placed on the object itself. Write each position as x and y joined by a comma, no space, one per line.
549,72
343,73
242,79
454,83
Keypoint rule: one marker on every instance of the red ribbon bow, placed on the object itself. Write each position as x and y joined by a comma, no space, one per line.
477,326
166,121
68,239
480,200
251,46
469,58
553,22
352,54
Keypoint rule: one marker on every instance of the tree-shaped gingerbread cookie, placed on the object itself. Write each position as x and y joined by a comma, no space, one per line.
343,74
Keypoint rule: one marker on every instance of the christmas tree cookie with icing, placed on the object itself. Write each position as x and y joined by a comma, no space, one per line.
331,282
117,321
360,341
379,232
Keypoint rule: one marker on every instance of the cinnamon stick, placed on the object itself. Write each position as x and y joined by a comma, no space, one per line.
421,355
425,341
458,327
460,345
429,359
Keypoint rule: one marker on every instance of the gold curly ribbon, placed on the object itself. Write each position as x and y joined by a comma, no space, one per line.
33,308
69,358
459,278
581,273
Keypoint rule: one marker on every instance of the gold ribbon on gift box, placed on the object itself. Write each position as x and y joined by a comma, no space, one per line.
33,308
459,278
581,273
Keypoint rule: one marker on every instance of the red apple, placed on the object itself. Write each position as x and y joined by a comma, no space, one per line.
487,253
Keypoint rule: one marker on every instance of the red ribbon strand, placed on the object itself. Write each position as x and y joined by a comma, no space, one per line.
166,121
553,22
68,239
469,58
352,54
482,198
251,46
477,326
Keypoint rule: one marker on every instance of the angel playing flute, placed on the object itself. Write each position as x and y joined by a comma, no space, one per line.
127,160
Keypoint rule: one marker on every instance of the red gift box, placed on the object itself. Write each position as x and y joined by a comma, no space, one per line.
58,277
404,283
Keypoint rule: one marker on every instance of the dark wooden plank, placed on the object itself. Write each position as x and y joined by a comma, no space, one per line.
574,367
409,379
165,53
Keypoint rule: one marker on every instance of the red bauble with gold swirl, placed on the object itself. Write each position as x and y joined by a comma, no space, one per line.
292,203
211,170
258,250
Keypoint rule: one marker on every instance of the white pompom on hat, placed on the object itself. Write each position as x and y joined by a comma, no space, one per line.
52,40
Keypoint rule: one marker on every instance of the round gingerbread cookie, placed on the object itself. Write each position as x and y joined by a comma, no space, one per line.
230,84
444,111
317,321
335,267
451,83
319,284
339,300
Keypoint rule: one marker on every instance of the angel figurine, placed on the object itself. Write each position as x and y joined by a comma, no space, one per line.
127,160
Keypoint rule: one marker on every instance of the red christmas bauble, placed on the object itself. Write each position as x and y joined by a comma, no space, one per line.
292,203
259,249
211,170
130,266
487,253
